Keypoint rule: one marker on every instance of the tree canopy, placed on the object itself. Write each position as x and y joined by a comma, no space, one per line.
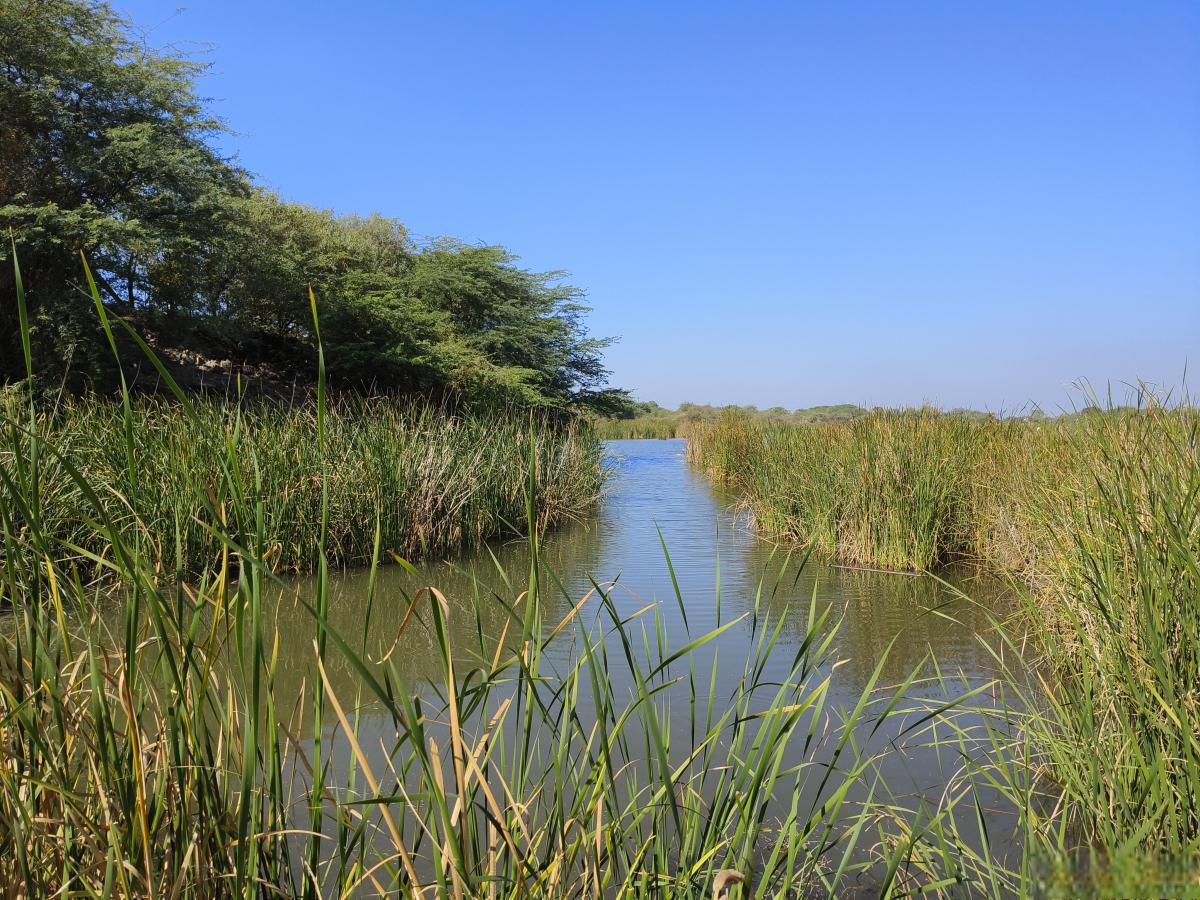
107,149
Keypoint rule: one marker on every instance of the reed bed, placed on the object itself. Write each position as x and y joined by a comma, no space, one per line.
150,744
153,743
640,427
1098,516
424,481
887,490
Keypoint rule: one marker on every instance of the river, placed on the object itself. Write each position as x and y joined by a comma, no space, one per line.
725,573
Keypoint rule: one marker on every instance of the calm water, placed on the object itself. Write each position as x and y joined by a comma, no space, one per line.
723,571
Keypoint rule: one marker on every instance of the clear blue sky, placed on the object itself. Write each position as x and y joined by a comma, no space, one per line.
972,204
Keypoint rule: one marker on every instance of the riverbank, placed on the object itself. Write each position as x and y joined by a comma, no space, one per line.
167,740
186,485
651,421
1099,516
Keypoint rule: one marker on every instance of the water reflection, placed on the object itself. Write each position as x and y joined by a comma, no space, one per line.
722,569
888,622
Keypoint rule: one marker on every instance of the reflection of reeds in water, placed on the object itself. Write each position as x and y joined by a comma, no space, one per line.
478,587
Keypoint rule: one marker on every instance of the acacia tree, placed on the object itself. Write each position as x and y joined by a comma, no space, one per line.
446,318
104,148
254,277
520,334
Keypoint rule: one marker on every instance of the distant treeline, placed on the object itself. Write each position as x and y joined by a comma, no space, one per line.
107,149
649,420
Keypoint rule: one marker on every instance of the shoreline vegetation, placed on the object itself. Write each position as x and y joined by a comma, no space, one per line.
1098,515
155,491
649,420
193,508
148,747
418,480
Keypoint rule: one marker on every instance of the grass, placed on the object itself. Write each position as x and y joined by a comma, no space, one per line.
428,482
150,744
157,761
153,742
656,422
640,428
885,490
163,758
1099,517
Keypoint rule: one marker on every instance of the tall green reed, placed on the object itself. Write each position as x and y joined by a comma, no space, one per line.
147,746
889,489
438,481
1097,518
640,428
1114,742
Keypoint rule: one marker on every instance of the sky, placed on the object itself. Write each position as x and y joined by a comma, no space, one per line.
780,204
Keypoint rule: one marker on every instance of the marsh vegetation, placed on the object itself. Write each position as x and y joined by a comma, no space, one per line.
1098,516
649,420
421,480
260,634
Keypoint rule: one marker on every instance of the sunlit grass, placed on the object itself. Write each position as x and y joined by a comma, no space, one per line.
148,747
429,481
1098,518
640,428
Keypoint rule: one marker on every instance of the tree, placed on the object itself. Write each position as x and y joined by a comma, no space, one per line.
104,148
444,319
520,333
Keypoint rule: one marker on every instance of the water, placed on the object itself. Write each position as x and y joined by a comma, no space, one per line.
723,570
725,574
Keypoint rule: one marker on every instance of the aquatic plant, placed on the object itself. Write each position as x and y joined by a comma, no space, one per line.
639,428
151,743
889,489
426,480
1098,517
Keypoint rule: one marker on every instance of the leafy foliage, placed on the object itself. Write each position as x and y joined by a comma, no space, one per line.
106,148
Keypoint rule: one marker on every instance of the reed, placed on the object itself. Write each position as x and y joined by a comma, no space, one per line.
889,489
1115,741
153,743
1098,518
164,755
430,482
641,427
